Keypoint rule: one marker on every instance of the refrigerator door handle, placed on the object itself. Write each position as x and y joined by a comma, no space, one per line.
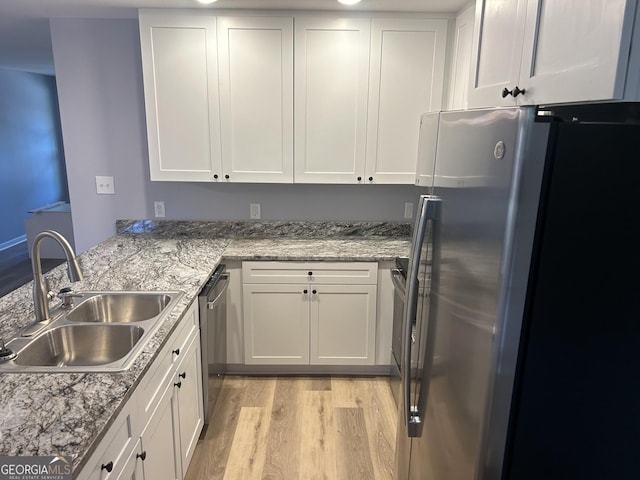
418,411
429,209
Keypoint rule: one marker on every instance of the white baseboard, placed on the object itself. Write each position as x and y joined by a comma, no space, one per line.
13,242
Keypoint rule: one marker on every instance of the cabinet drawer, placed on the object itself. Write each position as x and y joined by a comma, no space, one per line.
154,382
329,273
115,447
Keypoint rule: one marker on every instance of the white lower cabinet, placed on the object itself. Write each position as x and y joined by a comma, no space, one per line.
132,469
171,432
309,313
158,440
112,455
154,436
343,324
276,324
190,418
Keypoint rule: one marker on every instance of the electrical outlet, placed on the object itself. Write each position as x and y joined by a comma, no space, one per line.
408,210
254,211
158,208
105,186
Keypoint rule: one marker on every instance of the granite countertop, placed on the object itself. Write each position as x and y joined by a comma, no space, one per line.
343,250
67,413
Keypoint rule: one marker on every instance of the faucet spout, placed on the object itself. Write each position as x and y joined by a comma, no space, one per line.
40,300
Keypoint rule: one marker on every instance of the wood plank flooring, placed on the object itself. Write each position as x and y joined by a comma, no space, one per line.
288,428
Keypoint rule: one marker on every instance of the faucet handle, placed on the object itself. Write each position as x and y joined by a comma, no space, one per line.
50,293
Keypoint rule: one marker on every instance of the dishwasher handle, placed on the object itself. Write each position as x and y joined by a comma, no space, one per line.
224,277
399,283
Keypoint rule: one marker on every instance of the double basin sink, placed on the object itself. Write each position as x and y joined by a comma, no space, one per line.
104,332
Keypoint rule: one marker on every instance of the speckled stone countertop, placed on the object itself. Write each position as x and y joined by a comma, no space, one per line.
68,414
343,250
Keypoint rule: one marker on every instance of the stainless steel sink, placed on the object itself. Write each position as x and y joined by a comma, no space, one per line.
119,307
105,332
80,345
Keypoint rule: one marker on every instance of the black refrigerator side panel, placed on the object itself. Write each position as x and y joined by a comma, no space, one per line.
576,405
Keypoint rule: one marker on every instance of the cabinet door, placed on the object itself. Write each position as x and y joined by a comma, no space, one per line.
276,324
189,400
331,90
115,447
343,324
406,80
429,123
179,65
158,440
133,467
497,50
461,60
575,50
256,98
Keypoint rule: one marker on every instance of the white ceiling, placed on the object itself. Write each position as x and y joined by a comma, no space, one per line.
25,41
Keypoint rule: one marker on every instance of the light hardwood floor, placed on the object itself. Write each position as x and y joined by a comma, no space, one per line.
288,428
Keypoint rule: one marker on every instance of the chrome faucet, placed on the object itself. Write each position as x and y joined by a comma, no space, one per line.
40,293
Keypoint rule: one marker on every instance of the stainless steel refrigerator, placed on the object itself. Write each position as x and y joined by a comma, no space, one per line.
521,339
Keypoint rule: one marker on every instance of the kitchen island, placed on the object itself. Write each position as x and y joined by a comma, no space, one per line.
69,413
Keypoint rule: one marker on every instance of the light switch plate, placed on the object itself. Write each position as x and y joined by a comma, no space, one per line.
105,186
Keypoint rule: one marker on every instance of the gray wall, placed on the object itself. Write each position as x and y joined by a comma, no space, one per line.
99,78
31,158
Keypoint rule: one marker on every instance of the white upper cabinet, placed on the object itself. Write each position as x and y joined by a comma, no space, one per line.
406,79
575,50
461,60
429,123
497,48
179,64
331,91
530,52
268,98
256,98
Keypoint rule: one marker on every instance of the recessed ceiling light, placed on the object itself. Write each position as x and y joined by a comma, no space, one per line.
206,2
349,2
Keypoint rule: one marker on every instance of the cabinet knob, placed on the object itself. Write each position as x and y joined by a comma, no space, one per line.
176,351
182,375
178,384
371,179
314,291
310,273
515,92
305,291
227,177
142,456
359,179
107,466
215,176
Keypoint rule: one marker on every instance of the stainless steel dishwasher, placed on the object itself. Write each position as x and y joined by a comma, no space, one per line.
213,337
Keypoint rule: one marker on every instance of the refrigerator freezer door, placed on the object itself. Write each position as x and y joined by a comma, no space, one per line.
473,179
